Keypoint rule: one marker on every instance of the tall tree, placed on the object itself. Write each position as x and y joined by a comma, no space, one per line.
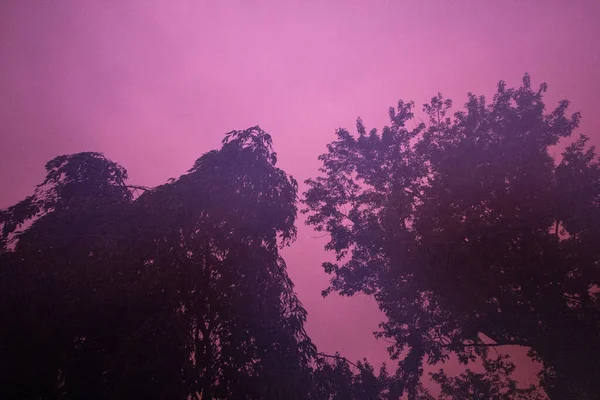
470,235
175,292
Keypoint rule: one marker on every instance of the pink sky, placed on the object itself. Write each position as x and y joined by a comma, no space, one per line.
153,86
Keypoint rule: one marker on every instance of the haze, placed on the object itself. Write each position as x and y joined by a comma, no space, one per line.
155,84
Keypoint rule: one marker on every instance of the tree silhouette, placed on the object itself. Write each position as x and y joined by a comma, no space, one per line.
493,383
116,291
470,235
336,378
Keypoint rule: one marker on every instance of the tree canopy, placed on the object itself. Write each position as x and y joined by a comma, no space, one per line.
466,231
470,235
117,291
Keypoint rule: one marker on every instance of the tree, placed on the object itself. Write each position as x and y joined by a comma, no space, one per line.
117,291
470,235
336,378
493,383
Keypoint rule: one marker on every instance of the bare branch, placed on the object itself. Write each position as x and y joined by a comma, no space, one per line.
138,187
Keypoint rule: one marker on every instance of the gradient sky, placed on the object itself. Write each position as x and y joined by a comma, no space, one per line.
155,84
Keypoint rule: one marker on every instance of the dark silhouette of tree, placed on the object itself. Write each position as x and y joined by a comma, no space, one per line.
493,383
116,291
470,235
336,378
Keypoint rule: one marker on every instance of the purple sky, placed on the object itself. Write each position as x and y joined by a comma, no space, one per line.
153,86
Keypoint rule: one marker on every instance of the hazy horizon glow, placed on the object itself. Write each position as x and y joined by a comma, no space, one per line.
154,86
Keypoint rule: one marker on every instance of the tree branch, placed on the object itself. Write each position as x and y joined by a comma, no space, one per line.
144,188
499,344
339,358
411,193
345,216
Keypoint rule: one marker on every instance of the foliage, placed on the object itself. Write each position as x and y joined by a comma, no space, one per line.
177,292
493,383
469,234
336,378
